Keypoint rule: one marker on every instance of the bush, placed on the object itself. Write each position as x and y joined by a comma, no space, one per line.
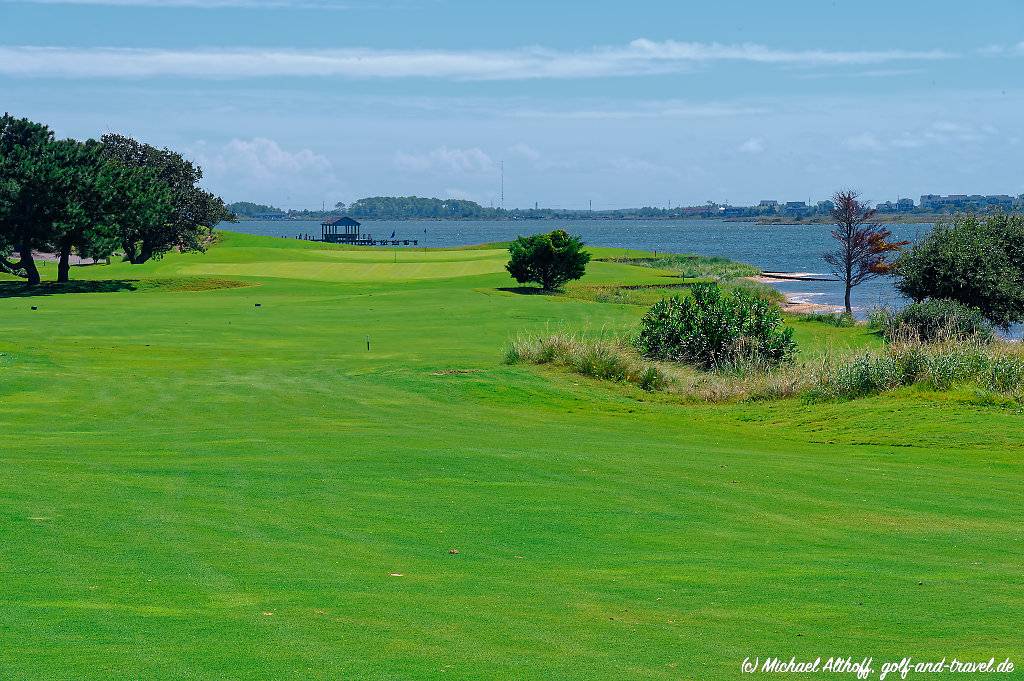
938,320
880,318
977,262
713,329
550,260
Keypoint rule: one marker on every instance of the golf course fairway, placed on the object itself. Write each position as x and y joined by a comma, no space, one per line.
206,473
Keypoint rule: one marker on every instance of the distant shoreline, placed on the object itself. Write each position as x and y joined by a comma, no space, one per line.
818,220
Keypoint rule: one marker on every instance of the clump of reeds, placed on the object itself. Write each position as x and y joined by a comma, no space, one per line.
607,359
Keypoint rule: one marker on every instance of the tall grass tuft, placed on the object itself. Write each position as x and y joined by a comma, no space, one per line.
933,321
841,320
606,359
995,367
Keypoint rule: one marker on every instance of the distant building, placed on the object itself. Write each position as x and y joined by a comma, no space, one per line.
796,209
966,202
768,203
905,205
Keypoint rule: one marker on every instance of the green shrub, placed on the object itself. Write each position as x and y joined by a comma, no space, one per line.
880,318
713,329
842,321
938,320
550,260
976,261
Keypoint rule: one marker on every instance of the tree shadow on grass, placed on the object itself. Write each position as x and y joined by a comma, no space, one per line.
529,291
17,289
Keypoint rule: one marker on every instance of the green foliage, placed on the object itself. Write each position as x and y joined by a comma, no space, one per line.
248,209
715,329
946,366
696,266
410,207
978,262
841,321
194,211
95,197
29,196
937,320
550,260
880,318
609,360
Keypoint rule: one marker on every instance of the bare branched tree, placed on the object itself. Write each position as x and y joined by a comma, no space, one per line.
864,247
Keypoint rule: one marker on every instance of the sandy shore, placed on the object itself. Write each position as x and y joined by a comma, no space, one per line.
792,304
798,307
780,277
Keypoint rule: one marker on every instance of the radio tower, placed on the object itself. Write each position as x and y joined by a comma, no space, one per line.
502,185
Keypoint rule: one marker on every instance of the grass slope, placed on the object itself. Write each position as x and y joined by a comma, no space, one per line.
196,487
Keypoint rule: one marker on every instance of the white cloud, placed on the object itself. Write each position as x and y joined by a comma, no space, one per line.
865,141
1003,50
754,145
682,51
639,57
456,193
629,165
244,168
467,161
938,133
525,151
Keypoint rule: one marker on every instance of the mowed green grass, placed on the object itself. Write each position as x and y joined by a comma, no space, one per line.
196,487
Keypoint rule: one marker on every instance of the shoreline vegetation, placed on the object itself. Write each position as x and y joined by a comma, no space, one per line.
991,371
414,208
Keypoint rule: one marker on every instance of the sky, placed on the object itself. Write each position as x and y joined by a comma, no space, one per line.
300,103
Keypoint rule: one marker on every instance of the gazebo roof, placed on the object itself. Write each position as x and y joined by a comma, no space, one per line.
342,221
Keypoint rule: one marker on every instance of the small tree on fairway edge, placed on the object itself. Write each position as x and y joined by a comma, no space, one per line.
862,247
550,260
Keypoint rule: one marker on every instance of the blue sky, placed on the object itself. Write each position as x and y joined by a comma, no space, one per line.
298,102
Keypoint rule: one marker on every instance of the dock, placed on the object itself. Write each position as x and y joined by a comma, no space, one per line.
345,230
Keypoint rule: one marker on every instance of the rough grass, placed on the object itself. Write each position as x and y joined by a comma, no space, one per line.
609,359
615,359
839,320
696,266
994,368
648,294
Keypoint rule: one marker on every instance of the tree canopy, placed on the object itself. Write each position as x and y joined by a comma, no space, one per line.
95,198
405,207
550,260
27,197
976,261
194,211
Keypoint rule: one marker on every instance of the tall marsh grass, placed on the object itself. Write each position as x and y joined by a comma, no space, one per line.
996,368
695,266
607,359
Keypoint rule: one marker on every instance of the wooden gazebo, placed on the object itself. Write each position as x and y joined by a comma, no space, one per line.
342,230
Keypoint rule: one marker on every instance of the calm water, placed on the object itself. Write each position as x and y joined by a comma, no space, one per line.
778,248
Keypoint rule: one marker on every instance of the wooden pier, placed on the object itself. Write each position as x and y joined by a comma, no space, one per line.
345,230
